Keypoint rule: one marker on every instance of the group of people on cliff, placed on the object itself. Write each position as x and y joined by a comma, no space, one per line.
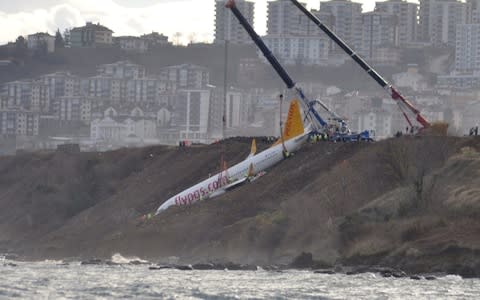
473,131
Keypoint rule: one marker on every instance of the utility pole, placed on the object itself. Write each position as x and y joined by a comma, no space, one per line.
225,85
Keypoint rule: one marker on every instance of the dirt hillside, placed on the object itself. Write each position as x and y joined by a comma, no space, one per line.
408,202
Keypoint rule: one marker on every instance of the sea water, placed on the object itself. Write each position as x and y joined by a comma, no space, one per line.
56,280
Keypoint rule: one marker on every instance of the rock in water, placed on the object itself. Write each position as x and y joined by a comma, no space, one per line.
303,261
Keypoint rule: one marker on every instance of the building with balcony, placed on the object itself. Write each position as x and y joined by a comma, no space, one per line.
186,76
75,109
122,70
297,49
18,122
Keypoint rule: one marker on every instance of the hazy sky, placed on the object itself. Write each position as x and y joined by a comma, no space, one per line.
193,18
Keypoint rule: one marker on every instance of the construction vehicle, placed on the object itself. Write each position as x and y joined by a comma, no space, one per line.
337,129
403,103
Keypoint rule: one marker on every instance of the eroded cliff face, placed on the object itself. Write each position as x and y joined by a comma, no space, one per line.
407,202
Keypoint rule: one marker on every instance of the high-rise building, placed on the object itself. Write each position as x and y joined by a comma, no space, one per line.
325,17
227,26
439,18
467,48
285,18
379,30
347,20
473,11
406,17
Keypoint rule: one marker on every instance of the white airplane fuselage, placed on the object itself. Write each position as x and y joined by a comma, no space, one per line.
214,185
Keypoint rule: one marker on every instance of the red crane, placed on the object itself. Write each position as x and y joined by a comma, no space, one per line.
401,101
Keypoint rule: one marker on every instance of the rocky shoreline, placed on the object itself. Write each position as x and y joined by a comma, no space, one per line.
302,262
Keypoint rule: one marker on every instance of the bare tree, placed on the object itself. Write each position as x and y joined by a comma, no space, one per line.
177,36
410,161
192,38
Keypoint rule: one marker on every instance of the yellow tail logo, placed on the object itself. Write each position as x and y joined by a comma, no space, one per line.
294,124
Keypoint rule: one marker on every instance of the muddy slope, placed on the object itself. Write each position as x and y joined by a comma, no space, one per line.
412,203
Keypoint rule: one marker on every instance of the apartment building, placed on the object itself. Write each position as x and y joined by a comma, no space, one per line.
347,20
284,18
378,120
124,82
59,84
467,48
186,76
227,26
122,70
41,41
131,44
298,49
439,19
379,30
406,14
18,93
147,90
18,122
237,109
75,108
191,114
411,79
91,35
155,39
40,97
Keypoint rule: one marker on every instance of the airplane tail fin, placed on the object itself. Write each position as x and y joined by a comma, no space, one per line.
294,125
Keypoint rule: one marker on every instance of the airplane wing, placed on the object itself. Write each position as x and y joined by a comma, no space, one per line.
237,183
229,187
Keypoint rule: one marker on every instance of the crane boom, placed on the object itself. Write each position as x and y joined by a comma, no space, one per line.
277,66
366,67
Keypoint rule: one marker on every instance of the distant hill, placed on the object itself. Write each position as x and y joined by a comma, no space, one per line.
84,62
